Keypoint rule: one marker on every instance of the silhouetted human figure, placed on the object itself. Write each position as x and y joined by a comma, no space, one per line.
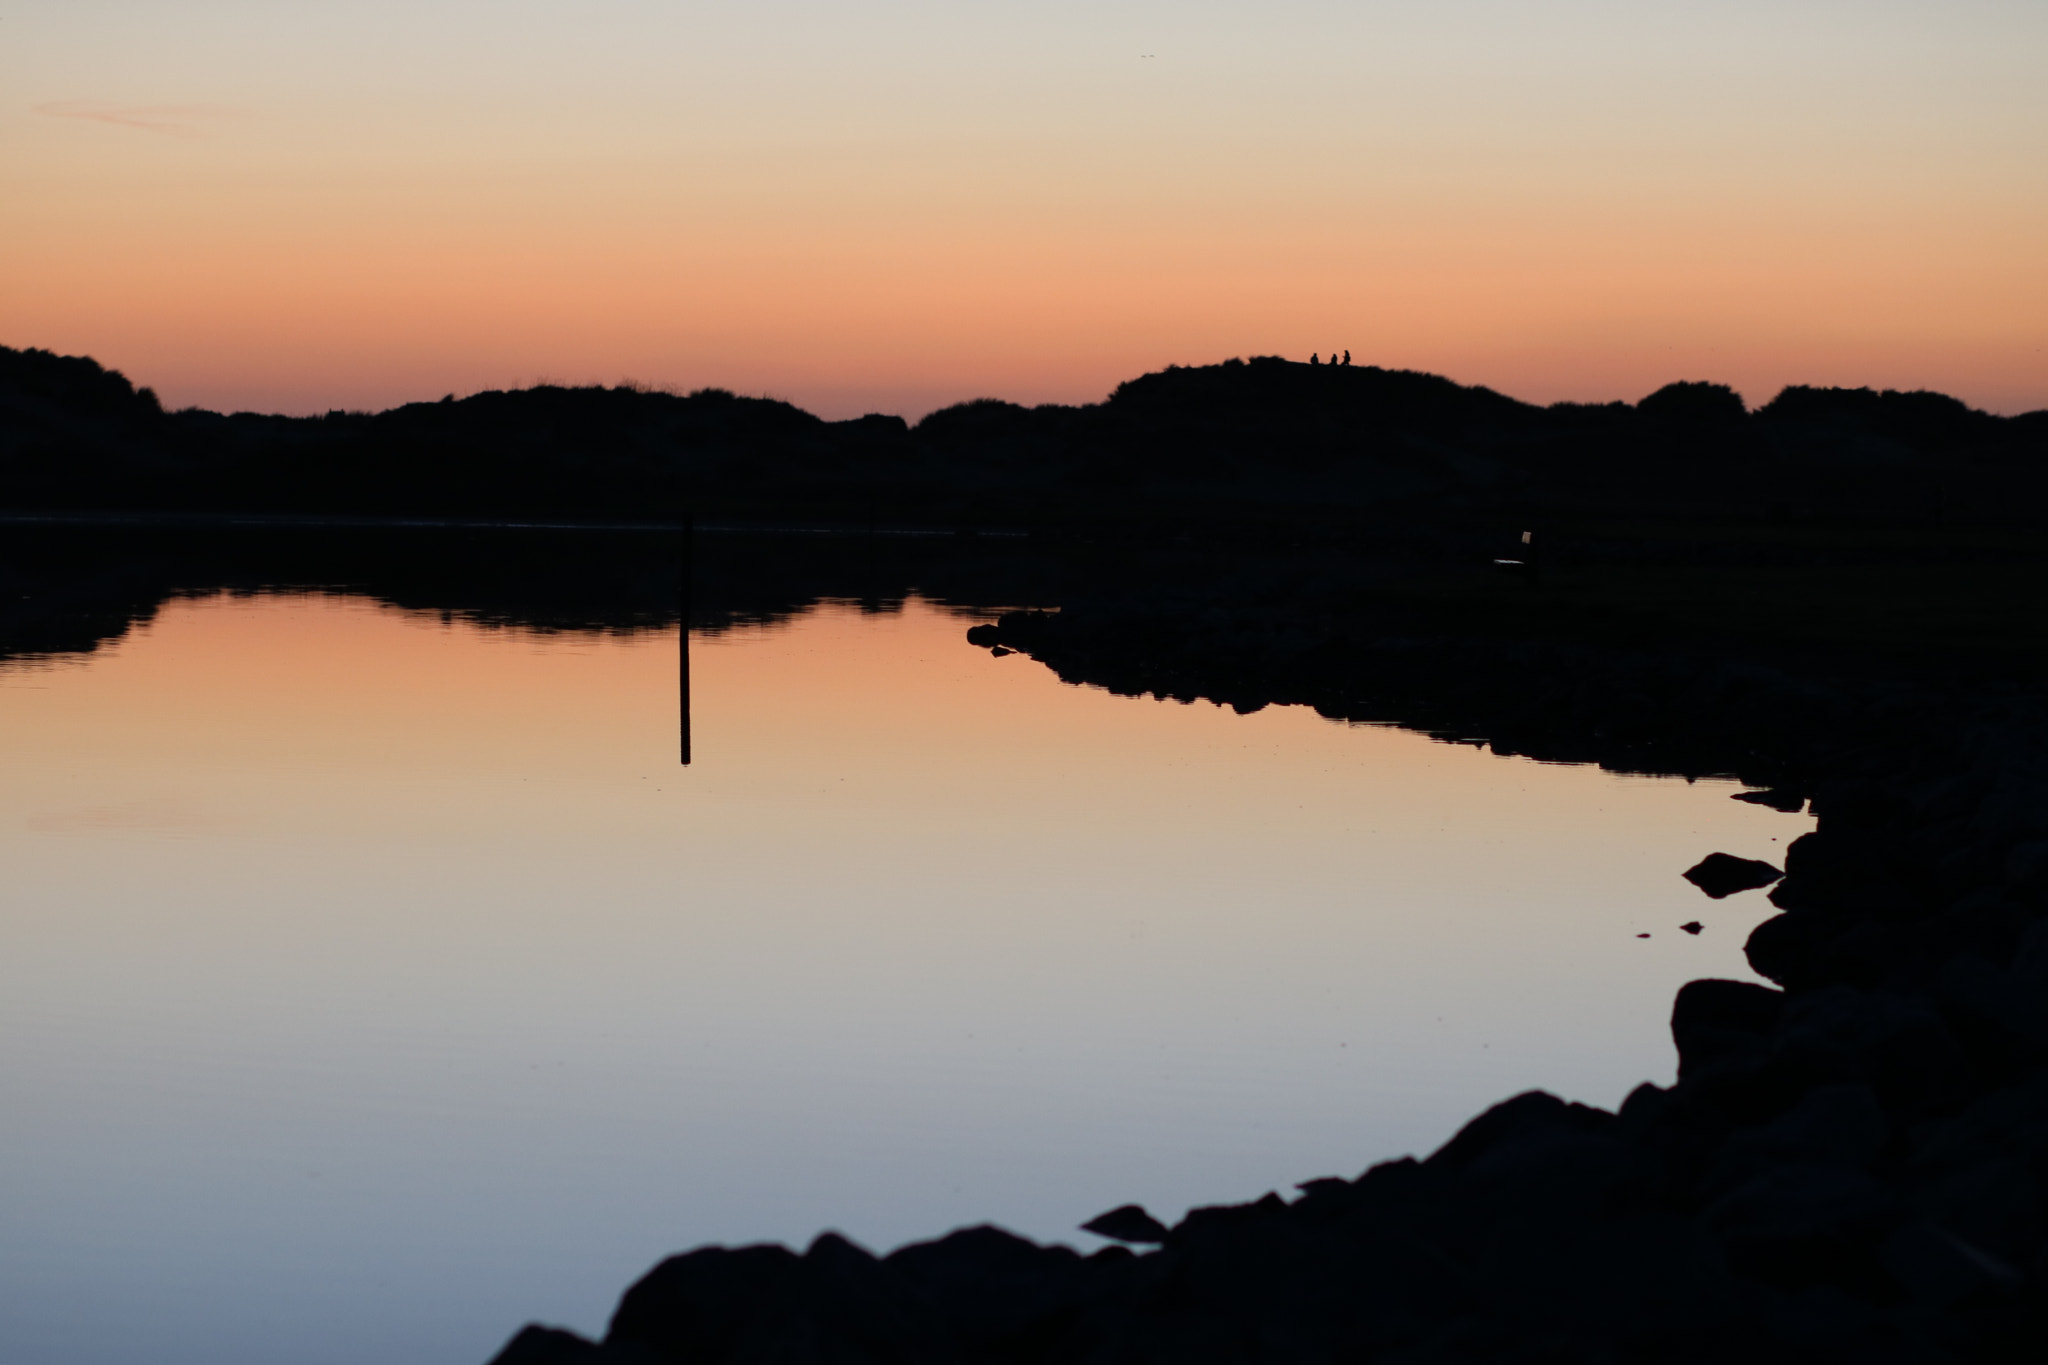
1347,357
1312,358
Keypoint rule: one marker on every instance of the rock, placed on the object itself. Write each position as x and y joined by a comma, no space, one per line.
1847,871
1713,1020
1855,803
1721,875
1939,1267
992,1290
534,1344
714,1304
767,1303
2026,871
1776,798
1897,1042
1531,1123
1835,1125
538,1345
1805,1223
1129,1223
1788,949
1994,1205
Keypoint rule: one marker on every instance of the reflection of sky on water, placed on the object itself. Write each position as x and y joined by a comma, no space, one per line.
369,986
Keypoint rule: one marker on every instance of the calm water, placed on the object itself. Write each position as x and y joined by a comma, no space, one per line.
370,985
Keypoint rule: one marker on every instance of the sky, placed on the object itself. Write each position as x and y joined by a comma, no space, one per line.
298,205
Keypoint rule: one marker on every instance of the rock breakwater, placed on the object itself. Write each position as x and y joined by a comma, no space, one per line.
1848,1166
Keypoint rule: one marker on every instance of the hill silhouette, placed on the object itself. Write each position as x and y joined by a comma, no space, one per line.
1244,439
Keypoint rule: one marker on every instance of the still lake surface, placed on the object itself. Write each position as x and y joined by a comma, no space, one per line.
372,983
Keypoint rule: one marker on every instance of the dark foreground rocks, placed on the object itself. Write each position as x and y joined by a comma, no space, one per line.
1848,1167
1721,875
1773,1206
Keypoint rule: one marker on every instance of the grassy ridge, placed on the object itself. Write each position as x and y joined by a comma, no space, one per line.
1259,441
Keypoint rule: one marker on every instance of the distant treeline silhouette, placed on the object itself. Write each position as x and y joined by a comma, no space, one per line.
1254,438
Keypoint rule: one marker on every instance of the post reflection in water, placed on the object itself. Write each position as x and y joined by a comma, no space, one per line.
369,984
685,573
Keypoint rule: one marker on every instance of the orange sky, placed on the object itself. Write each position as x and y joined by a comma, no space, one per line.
900,204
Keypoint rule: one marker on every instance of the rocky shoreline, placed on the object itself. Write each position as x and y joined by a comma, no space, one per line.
1849,1167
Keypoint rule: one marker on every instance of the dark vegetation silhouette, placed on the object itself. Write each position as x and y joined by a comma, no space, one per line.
1238,441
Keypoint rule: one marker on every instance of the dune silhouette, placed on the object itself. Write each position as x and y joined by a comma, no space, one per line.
1254,438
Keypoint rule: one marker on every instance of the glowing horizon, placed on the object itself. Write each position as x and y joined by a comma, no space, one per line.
904,204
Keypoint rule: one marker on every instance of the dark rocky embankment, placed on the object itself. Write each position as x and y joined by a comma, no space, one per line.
1847,1167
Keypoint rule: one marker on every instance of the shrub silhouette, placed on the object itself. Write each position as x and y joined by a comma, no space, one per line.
1255,437
1694,404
